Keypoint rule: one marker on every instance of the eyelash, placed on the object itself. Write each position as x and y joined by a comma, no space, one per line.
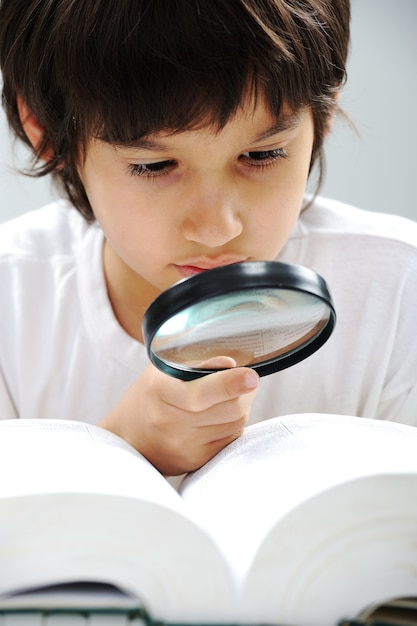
151,170
263,159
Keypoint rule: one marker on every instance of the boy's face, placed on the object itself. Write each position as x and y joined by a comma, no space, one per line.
179,204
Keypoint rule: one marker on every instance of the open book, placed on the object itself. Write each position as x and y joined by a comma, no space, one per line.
304,521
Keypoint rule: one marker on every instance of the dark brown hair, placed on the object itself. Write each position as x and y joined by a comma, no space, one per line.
122,69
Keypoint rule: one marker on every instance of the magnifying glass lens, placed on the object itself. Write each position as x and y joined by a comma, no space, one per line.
247,326
267,316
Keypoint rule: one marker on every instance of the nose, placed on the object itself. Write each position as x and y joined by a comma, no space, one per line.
212,216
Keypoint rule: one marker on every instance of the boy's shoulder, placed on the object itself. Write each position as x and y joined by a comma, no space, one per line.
53,230
330,218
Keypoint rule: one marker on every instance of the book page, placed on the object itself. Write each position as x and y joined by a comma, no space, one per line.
258,490
79,504
88,458
347,548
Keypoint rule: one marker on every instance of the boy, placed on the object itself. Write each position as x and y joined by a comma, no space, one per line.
183,134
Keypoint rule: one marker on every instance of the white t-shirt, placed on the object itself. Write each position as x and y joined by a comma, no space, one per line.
64,355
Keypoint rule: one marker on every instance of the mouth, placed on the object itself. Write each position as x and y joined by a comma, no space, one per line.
192,269
189,270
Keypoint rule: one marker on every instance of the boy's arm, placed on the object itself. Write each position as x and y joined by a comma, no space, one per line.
179,426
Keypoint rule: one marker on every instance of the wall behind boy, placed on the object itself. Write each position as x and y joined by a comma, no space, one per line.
375,170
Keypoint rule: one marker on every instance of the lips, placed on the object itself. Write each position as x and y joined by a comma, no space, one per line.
189,270
197,267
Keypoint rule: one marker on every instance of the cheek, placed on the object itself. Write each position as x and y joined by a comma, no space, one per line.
111,191
131,235
109,197
117,205
275,214
281,219
282,198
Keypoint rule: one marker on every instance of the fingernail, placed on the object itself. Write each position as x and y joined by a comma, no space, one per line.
251,380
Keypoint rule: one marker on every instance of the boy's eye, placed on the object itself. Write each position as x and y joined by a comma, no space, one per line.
151,170
256,158
262,158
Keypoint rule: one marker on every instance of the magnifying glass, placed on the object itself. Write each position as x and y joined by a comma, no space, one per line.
262,314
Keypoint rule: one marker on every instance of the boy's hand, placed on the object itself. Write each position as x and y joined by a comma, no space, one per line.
179,426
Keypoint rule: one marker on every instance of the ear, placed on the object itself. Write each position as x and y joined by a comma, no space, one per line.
33,130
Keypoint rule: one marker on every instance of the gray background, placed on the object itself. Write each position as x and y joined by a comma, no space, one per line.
373,169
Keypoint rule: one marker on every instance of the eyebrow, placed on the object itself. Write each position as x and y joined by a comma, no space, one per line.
283,125
289,122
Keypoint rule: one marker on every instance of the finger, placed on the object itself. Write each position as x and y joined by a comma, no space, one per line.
226,412
199,395
214,447
215,439
218,363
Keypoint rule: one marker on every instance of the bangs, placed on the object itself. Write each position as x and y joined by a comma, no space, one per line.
171,66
